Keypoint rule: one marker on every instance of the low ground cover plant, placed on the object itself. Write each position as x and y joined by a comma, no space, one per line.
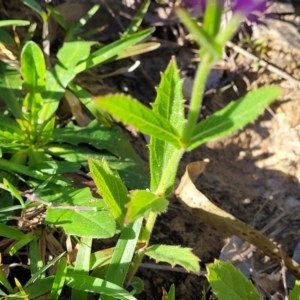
128,200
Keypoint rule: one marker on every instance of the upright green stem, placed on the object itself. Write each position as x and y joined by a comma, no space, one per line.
197,94
195,106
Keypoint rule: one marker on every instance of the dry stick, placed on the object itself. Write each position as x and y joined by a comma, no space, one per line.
207,212
264,63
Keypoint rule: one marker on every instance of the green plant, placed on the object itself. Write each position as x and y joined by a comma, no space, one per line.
229,283
132,214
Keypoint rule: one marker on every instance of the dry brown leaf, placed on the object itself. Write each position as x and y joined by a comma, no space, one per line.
213,215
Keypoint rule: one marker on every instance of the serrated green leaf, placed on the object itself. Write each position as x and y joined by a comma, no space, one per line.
97,285
33,68
131,112
295,292
169,105
80,215
234,116
175,255
227,282
142,202
111,188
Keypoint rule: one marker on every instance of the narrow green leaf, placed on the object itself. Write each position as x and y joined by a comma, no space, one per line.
169,105
111,188
75,27
81,215
123,254
137,19
111,50
132,112
201,36
174,255
5,282
171,294
229,283
10,89
97,285
14,191
33,68
234,116
142,202
5,23
101,258
59,280
138,49
36,7
21,243
39,287
21,169
47,132
295,292
11,233
42,270
36,261
10,129
82,265
55,167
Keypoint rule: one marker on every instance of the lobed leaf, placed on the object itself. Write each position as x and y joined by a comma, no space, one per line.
142,202
174,255
133,113
227,282
234,116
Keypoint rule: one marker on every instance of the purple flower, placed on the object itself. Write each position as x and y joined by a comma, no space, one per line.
248,6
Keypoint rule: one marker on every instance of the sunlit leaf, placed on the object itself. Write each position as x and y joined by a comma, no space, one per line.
234,116
227,282
174,255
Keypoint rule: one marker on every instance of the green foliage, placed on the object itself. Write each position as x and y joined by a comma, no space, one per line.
295,292
229,283
43,155
174,255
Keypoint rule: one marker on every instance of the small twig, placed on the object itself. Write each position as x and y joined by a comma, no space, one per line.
263,63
